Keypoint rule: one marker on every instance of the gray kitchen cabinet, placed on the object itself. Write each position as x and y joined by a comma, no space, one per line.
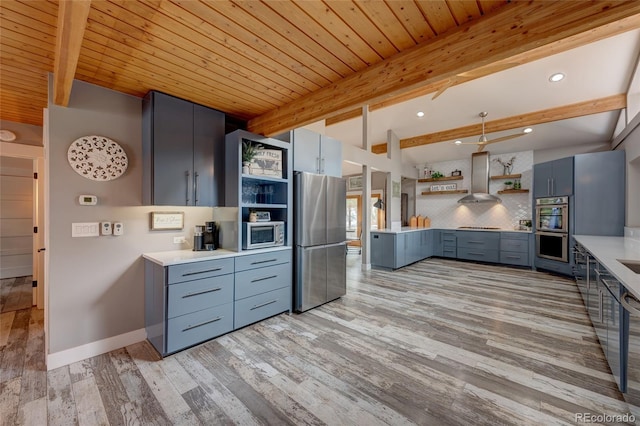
448,243
190,303
183,149
263,287
514,248
383,249
599,194
314,153
553,178
426,243
478,245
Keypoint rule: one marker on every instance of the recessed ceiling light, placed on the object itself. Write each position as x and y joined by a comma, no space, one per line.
556,77
527,130
420,114
458,142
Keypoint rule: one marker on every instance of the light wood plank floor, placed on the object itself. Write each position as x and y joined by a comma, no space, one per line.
439,342
16,293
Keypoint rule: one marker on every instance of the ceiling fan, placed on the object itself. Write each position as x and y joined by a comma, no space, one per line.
483,141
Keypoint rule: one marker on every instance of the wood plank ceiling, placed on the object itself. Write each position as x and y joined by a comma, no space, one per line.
252,59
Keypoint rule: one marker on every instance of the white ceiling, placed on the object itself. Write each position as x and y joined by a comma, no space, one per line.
594,71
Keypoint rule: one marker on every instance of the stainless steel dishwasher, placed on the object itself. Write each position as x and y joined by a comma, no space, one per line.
631,347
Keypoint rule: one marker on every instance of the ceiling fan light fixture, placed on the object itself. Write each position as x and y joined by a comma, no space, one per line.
420,114
556,77
527,130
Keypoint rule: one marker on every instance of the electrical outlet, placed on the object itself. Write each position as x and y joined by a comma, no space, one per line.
179,240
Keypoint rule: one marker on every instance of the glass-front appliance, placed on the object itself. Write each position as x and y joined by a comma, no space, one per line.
262,234
552,245
552,214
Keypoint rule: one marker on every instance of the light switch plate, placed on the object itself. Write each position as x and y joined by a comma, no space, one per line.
85,229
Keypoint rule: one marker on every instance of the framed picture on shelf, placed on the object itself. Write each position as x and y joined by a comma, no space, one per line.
354,183
267,162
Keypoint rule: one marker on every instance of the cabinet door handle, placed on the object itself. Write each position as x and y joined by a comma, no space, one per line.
187,174
600,303
263,278
322,166
476,242
476,253
195,187
548,186
263,261
318,164
197,293
263,304
513,257
190,327
186,274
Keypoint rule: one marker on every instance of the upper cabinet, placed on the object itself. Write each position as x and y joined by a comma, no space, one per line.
314,153
183,152
553,178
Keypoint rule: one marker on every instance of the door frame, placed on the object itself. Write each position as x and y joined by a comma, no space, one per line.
357,195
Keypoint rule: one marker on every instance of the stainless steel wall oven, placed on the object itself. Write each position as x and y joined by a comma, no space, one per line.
552,228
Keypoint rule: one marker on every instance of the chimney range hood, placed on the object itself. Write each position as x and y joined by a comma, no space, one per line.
479,181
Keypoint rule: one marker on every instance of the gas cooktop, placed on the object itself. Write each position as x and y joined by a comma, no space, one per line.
478,227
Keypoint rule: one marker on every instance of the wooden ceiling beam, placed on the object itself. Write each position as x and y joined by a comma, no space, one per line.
72,21
579,109
513,32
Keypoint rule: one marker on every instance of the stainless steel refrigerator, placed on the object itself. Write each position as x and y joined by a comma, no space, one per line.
320,272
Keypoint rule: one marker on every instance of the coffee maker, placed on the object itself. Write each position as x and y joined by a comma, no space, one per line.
206,237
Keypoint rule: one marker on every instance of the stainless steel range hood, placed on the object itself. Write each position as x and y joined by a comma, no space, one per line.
480,180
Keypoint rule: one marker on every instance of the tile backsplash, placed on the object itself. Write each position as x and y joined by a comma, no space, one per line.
445,211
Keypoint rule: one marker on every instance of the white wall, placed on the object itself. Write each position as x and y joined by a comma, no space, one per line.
96,284
445,212
544,155
631,145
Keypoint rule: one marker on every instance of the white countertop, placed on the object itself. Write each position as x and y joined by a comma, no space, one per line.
607,250
176,257
411,229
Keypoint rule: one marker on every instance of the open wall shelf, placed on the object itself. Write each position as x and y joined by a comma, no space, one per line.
513,191
516,176
458,191
440,179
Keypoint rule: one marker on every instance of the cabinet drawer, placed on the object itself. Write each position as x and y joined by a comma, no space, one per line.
198,270
515,235
256,308
482,240
187,330
514,258
482,255
261,280
196,295
260,260
521,246
449,252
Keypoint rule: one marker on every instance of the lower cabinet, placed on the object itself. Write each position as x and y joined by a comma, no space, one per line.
190,303
394,250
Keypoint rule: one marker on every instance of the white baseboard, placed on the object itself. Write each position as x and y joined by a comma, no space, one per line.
92,349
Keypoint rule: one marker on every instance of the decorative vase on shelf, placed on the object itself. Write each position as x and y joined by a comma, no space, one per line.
245,167
507,170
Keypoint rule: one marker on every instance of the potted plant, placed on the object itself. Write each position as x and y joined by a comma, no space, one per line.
436,175
508,185
249,151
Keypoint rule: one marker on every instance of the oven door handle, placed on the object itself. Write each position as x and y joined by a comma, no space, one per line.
553,234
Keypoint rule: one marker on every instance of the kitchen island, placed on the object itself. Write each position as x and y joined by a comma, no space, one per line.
393,249
194,296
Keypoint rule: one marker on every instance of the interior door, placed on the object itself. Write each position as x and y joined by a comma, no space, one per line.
311,277
336,271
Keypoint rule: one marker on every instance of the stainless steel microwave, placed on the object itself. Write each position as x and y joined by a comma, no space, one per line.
262,234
